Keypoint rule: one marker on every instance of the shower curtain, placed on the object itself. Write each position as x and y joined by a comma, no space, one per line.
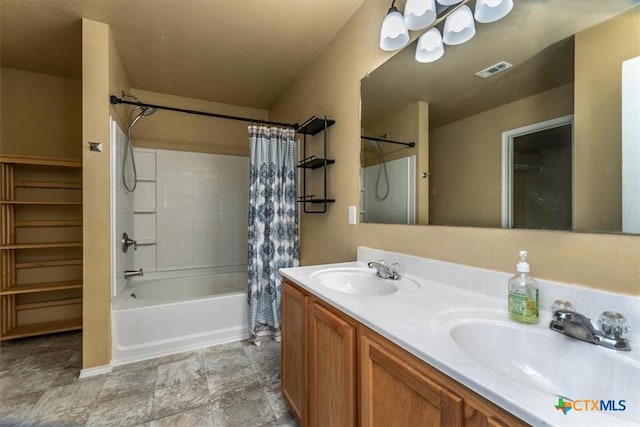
273,224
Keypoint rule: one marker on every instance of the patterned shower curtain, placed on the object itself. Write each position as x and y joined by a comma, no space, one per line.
273,224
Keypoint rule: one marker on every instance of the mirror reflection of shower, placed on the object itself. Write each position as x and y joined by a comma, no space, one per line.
137,113
382,168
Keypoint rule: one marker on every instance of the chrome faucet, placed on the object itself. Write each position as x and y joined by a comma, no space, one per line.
384,271
612,326
132,273
126,242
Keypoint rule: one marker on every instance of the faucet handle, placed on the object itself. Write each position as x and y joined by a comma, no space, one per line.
613,325
395,268
561,304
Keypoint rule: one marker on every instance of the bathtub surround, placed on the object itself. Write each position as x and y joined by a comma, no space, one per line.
202,209
188,216
273,224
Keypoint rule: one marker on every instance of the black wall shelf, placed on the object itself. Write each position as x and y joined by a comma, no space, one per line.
315,125
311,127
315,163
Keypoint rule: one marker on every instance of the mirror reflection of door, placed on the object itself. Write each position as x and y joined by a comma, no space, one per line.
538,172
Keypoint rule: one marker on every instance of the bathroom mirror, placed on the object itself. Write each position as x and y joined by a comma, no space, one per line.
538,145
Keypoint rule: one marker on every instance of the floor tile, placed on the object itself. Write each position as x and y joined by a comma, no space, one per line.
276,400
230,383
247,408
22,381
180,370
18,409
68,405
143,364
125,410
181,397
125,383
225,361
200,417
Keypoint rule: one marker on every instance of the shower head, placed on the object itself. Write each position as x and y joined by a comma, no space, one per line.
144,112
147,111
374,144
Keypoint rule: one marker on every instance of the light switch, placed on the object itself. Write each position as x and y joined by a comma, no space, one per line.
352,215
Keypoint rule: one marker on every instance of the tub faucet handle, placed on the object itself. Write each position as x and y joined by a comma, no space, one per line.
126,242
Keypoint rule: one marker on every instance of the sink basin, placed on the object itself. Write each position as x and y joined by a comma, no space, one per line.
537,357
361,281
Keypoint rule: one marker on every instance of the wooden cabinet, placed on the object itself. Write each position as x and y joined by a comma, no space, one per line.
318,361
396,391
332,368
294,350
40,246
337,372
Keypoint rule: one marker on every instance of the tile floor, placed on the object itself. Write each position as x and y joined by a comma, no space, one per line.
234,384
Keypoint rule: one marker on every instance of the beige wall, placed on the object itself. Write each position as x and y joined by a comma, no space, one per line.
186,132
599,53
102,74
41,114
332,86
466,158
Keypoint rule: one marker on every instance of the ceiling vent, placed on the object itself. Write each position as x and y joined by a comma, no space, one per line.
494,69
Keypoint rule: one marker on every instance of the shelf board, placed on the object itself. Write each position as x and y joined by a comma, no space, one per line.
316,201
314,125
315,163
42,245
31,202
60,223
47,304
41,161
42,287
45,184
42,264
42,328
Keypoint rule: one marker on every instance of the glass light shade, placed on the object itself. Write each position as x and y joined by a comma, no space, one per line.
448,2
492,10
393,34
429,48
419,14
459,27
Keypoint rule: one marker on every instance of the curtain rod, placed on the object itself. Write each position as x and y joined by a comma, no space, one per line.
115,100
370,138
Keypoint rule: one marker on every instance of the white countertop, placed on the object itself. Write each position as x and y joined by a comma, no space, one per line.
446,290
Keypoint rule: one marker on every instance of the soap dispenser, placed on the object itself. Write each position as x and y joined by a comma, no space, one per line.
523,294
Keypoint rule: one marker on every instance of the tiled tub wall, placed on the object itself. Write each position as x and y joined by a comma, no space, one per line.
191,212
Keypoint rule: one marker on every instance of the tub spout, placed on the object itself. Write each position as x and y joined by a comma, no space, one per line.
132,273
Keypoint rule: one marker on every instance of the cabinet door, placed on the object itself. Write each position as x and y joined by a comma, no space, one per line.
294,355
332,376
394,392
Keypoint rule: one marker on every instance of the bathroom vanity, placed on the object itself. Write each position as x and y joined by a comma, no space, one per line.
439,349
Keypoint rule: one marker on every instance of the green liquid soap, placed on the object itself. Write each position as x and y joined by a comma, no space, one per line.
524,298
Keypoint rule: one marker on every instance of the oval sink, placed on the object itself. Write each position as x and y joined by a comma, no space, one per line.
360,281
545,360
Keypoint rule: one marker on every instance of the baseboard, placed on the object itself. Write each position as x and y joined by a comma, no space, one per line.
98,370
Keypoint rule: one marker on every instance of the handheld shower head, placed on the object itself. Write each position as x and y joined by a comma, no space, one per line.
144,112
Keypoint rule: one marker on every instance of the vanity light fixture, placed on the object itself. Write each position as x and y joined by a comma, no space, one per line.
419,14
422,15
393,34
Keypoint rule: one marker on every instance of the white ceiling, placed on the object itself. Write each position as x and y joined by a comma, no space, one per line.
242,52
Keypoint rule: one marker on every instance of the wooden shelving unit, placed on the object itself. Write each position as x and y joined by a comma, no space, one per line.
40,247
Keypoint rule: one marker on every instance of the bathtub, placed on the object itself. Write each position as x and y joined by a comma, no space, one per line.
162,313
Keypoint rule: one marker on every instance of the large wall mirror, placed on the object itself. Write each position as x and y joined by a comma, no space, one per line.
550,142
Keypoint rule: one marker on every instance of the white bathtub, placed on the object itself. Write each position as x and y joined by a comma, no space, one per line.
161,314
